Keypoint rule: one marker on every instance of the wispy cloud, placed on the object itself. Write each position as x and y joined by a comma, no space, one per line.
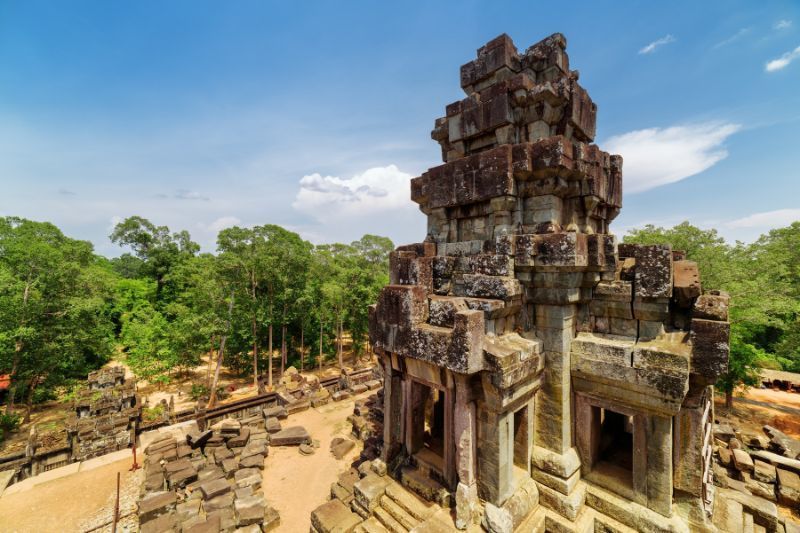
783,61
374,201
654,157
223,222
650,48
66,192
783,24
733,38
767,219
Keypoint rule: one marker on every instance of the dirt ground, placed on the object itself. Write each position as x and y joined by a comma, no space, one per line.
66,503
296,484
758,407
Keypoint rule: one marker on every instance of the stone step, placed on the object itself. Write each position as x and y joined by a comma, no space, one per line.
425,487
370,525
398,513
388,521
630,514
442,522
414,506
584,522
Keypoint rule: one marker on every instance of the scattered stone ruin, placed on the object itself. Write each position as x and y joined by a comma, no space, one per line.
208,482
755,474
107,412
539,375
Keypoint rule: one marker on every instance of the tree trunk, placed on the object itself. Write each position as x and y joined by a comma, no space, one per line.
320,346
283,349
269,364
213,396
339,345
255,354
210,360
29,401
212,399
729,400
302,345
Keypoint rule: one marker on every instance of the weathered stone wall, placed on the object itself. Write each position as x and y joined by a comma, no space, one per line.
521,305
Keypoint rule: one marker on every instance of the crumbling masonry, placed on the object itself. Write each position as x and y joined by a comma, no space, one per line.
539,375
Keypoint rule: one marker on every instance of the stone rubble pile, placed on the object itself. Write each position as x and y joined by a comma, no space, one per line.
215,491
756,474
367,421
367,500
107,411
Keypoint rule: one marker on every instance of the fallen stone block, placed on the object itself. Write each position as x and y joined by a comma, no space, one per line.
340,447
249,510
306,449
219,502
763,472
368,491
273,425
240,440
340,395
271,519
252,461
155,505
358,389
291,436
210,525
742,460
158,525
333,517
214,488
788,488
277,412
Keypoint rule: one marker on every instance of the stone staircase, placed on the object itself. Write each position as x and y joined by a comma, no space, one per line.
398,512
422,481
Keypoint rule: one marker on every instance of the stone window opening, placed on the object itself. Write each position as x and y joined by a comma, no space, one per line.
615,448
433,433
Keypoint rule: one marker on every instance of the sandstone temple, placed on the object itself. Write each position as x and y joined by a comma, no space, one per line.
538,374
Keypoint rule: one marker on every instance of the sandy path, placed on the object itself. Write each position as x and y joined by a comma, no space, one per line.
295,484
62,504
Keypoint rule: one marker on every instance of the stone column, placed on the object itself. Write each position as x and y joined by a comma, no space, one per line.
658,431
392,411
556,461
465,435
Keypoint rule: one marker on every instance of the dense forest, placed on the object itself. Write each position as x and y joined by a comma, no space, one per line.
163,304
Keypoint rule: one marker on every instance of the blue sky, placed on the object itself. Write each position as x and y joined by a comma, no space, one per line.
200,115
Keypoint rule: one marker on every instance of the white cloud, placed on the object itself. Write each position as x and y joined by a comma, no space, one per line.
733,38
783,61
767,219
783,24
650,48
658,156
376,201
375,190
223,222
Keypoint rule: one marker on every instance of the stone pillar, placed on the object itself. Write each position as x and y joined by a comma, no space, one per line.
465,435
658,431
587,438
496,456
392,411
553,410
556,461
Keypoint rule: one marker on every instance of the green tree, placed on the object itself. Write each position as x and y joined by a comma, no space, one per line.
159,250
763,281
54,300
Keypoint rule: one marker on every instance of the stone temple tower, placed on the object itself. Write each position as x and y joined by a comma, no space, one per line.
539,375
